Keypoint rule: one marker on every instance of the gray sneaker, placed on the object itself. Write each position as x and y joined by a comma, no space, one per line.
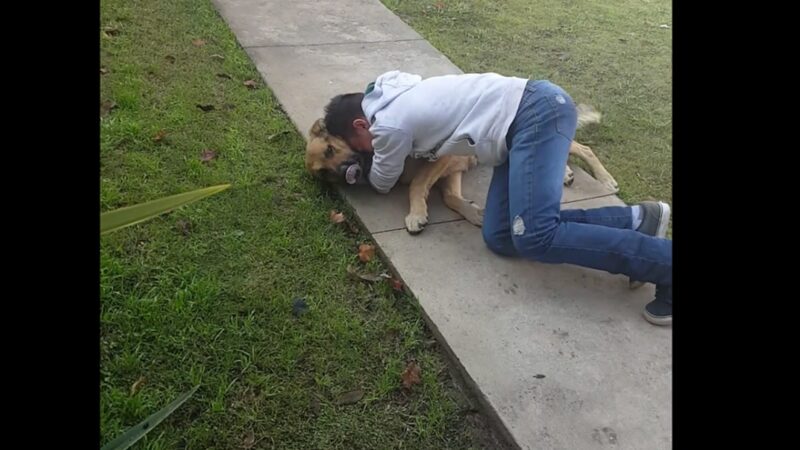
654,223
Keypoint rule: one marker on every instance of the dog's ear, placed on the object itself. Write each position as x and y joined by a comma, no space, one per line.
318,129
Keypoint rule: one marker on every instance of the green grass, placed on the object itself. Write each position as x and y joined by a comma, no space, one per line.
210,303
610,54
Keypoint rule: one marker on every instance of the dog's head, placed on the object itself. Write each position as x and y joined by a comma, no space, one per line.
328,157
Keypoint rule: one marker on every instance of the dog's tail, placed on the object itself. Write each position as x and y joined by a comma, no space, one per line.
587,115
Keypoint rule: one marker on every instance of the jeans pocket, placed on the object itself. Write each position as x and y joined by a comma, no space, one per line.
566,114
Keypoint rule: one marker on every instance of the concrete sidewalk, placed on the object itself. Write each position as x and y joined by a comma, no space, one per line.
559,355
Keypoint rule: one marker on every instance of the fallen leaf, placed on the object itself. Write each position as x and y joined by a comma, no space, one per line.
366,252
199,42
273,136
356,275
396,284
299,307
205,108
135,387
314,405
249,440
252,84
410,376
337,217
539,376
160,135
439,5
106,107
224,75
103,71
208,155
219,57
184,226
110,31
170,58
348,398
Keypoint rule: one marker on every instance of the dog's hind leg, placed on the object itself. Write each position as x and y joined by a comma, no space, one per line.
598,170
451,192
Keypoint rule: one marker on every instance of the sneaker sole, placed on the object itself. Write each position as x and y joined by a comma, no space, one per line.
661,233
663,221
656,320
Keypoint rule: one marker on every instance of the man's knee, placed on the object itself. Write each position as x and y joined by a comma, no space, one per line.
532,244
499,243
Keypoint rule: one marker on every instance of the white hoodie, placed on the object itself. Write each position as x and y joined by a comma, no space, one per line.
446,115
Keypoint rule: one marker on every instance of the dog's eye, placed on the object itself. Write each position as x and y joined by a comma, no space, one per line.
329,152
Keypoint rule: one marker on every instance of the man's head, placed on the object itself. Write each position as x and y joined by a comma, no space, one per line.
339,140
345,118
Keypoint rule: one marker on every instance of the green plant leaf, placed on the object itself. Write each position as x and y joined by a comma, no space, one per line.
137,432
130,215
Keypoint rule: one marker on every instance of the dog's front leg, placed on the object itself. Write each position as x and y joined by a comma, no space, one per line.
451,191
418,192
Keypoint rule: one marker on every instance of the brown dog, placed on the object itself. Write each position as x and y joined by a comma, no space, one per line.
327,154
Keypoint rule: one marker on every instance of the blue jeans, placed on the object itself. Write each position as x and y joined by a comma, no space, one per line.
523,214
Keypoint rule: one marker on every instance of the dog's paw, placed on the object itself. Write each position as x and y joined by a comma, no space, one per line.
416,223
609,183
569,177
473,214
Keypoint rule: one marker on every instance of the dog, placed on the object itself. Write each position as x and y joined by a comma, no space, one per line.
328,157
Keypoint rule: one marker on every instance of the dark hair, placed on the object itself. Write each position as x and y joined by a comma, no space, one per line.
341,112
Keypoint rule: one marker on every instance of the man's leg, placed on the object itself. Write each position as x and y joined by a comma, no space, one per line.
537,157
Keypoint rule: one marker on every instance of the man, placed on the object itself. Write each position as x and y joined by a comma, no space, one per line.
524,129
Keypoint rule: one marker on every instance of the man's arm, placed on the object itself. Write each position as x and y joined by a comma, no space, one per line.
391,147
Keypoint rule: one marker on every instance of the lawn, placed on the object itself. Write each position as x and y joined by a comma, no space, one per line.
614,55
213,293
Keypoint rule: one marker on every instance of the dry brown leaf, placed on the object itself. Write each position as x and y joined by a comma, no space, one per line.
410,376
348,398
314,405
184,226
366,252
208,155
199,42
336,216
135,387
160,135
252,84
106,107
356,275
279,133
249,440
396,284
110,31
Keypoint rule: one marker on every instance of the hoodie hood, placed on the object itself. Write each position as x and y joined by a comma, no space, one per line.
385,89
